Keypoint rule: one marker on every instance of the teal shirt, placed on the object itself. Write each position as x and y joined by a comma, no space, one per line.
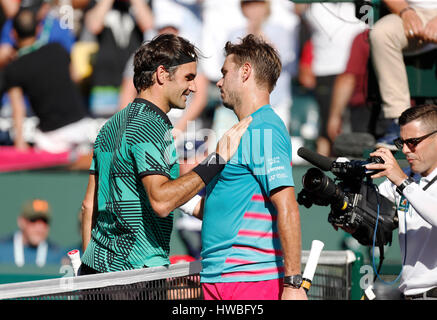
240,240
135,142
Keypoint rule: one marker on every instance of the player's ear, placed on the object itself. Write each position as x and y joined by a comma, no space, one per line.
161,74
246,71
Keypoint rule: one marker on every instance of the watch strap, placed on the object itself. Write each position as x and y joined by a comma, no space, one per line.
403,185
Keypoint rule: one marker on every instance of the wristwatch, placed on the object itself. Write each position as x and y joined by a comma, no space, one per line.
294,281
403,185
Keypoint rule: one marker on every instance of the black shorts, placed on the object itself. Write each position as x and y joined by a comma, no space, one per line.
84,270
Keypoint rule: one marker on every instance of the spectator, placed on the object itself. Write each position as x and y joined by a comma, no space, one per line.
411,25
276,22
119,26
44,75
333,27
70,13
351,111
306,76
49,30
215,32
30,245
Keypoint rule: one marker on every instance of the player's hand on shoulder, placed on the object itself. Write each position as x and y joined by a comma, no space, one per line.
228,144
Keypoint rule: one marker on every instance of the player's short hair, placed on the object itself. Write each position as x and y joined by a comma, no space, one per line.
426,113
25,23
261,55
167,50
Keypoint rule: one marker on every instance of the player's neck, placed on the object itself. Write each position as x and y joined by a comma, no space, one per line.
251,103
156,98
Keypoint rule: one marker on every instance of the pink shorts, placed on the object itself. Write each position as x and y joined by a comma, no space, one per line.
260,290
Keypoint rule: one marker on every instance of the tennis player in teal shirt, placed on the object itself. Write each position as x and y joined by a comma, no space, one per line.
251,238
240,236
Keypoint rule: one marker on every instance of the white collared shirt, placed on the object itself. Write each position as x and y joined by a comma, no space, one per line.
417,212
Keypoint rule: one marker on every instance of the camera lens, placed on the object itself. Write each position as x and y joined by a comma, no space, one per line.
322,187
316,181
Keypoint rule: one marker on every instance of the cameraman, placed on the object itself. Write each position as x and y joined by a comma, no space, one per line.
416,201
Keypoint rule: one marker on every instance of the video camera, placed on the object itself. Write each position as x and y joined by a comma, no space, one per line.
354,200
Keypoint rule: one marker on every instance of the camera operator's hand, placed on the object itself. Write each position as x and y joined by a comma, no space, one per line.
390,168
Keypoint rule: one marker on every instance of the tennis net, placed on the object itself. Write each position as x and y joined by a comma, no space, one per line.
181,281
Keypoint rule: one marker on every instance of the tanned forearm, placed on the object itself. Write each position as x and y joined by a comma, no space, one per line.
88,211
290,236
396,6
289,230
166,195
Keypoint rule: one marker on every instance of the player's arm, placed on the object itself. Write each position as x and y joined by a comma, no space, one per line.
165,195
18,114
283,199
89,210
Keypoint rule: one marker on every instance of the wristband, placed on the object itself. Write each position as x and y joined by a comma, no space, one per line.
405,9
402,186
190,205
210,167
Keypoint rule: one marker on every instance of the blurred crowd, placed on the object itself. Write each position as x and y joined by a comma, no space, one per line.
66,67
61,80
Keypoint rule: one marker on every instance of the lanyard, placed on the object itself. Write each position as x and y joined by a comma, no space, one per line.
41,251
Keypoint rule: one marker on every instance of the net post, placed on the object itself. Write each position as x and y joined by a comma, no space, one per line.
356,291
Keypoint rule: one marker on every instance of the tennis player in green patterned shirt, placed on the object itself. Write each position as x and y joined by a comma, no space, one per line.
133,185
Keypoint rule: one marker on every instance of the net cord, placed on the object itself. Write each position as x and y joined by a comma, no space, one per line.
70,284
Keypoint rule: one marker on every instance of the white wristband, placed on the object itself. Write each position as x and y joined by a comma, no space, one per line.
190,205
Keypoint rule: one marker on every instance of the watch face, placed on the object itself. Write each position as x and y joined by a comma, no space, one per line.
409,188
298,280
295,281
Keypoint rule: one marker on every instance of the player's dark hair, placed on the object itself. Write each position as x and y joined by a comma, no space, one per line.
167,50
25,23
426,113
262,56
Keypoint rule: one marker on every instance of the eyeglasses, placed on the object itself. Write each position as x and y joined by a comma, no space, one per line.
35,219
412,142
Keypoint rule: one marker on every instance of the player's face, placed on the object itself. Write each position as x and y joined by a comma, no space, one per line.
423,157
181,85
229,83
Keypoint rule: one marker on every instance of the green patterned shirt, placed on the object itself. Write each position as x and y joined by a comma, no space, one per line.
135,142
